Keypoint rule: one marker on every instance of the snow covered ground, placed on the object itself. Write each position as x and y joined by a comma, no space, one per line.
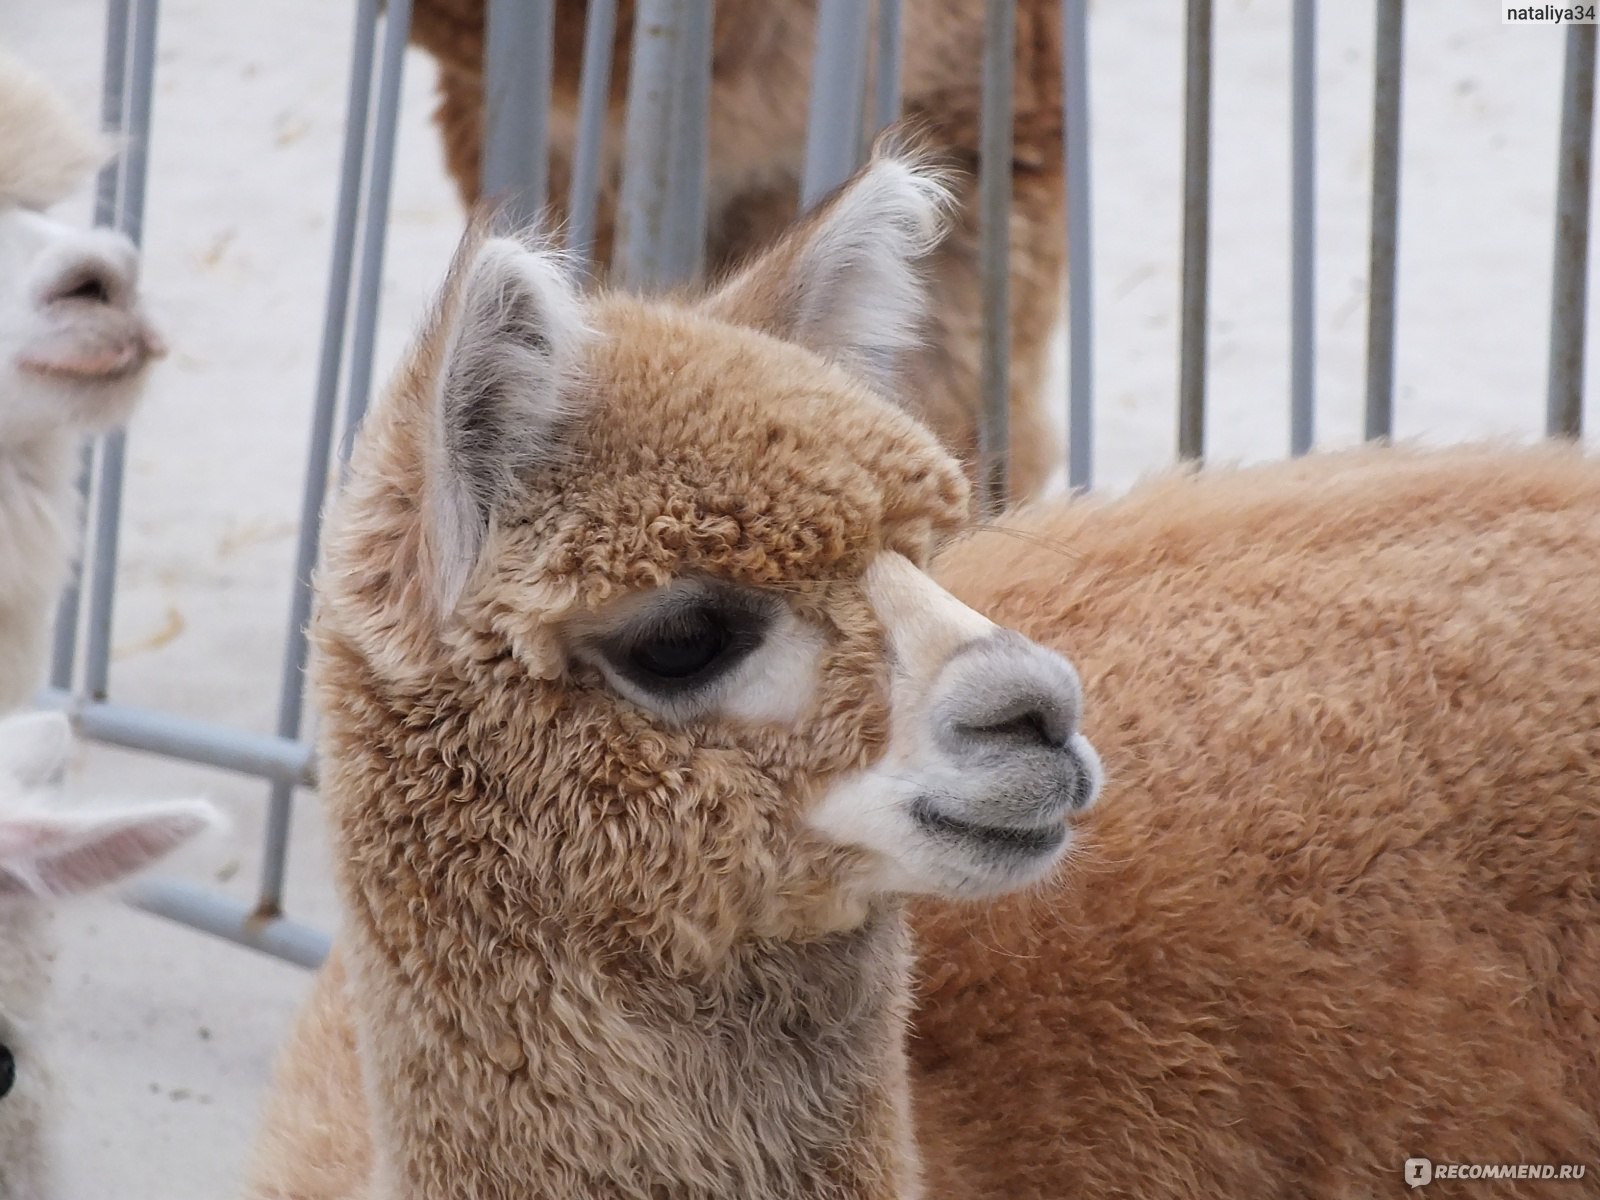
167,1036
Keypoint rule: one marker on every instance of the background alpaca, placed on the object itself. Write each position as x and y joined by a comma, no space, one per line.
1344,900
761,76
624,788
1341,912
72,345
48,852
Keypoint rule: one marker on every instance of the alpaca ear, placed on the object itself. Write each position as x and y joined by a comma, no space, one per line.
52,853
845,281
515,333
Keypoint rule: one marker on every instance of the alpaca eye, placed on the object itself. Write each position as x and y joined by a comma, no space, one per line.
677,647
8,1070
683,648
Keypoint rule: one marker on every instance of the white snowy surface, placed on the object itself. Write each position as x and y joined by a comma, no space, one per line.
166,1036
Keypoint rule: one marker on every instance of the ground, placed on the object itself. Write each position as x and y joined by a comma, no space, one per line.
166,1036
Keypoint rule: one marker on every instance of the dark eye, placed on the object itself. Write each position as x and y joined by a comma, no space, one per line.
683,647
8,1070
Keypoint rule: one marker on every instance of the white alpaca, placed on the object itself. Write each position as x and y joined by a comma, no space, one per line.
72,346
48,852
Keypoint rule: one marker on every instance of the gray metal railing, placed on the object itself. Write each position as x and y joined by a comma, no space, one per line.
661,240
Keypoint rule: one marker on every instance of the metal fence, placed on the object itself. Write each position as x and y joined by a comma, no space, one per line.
661,234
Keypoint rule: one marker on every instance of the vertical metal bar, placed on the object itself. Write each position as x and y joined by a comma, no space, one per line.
113,451
375,219
1080,245
64,648
113,98
1569,286
688,171
1385,219
647,215
888,55
594,96
113,89
1196,231
518,39
1302,287
994,232
838,79
291,687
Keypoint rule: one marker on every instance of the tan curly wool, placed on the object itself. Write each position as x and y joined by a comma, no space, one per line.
760,81
594,954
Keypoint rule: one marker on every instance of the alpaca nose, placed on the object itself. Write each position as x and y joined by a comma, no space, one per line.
102,269
1003,693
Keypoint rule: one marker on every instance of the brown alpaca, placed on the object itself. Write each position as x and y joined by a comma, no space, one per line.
1341,910
1342,906
761,78
641,718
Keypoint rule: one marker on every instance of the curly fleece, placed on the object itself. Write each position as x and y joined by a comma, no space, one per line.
596,956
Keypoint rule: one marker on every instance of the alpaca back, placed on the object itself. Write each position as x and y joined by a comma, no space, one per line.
1339,907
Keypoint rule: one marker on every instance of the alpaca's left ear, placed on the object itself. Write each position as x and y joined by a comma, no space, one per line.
515,332
845,281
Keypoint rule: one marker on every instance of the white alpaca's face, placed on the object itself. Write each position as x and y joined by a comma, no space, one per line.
72,338
985,765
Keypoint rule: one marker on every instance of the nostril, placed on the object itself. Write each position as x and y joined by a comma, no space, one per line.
90,289
1024,727
1024,724
89,283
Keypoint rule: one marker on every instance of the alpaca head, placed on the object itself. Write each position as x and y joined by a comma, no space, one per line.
72,338
50,852
624,614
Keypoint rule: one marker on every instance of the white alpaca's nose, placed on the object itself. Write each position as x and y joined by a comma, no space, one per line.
88,324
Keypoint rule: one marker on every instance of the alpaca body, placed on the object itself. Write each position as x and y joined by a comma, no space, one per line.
760,79
1341,905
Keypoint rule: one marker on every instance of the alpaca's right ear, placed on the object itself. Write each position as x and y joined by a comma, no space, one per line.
513,337
846,280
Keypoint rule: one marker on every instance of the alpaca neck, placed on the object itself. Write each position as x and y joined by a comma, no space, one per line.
780,1074
37,503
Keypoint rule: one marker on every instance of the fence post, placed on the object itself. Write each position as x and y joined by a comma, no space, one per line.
838,79
1196,231
1570,277
1385,219
1303,200
594,96
1080,244
517,59
661,217
994,232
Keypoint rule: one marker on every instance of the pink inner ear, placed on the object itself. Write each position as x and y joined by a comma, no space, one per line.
70,854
